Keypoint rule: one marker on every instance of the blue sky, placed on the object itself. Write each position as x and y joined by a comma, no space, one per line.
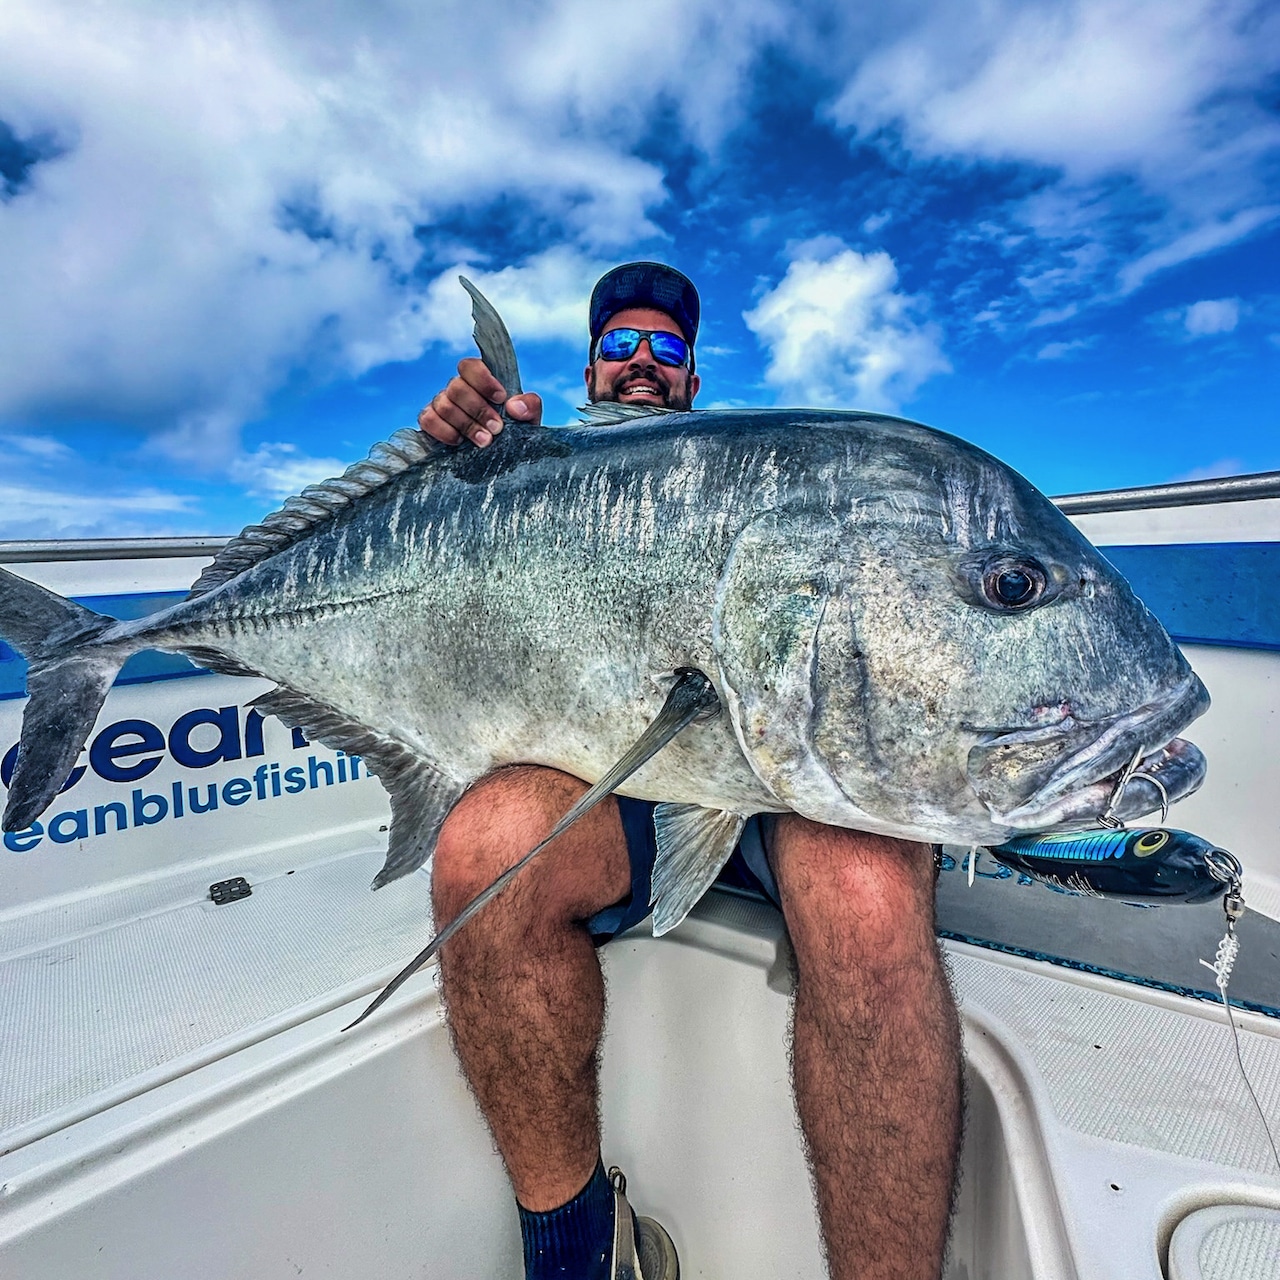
230,234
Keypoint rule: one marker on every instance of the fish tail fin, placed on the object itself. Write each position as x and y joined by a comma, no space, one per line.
67,682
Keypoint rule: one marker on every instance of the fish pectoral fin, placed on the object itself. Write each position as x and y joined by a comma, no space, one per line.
691,698
693,845
421,794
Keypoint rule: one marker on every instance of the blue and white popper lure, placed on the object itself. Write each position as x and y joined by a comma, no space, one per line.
1115,862
1153,863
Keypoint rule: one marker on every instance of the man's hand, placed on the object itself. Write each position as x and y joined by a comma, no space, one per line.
469,406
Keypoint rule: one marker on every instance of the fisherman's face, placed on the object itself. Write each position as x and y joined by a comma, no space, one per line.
642,380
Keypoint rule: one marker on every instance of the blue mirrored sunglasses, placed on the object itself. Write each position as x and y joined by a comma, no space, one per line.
621,344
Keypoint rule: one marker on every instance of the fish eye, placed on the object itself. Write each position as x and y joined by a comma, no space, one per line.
1149,841
1014,584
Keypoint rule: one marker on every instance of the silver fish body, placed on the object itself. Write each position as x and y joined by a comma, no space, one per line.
837,576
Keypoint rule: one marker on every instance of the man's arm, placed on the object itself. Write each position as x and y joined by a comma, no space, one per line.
469,407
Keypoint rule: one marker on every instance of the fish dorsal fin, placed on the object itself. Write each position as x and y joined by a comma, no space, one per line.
491,336
693,844
608,413
421,794
315,505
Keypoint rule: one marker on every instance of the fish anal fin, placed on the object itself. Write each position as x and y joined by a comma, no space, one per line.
421,794
693,845
421,798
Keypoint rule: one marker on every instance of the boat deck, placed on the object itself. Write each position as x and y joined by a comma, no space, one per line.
173,1064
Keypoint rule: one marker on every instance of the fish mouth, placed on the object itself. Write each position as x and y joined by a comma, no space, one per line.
1170,773
1076,782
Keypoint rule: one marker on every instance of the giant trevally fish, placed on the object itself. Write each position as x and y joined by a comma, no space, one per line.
900,633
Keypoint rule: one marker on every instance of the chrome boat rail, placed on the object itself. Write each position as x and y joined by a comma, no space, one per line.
1185,493
46,550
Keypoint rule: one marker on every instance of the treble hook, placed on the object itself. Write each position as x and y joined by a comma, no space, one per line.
1107,817
1164,795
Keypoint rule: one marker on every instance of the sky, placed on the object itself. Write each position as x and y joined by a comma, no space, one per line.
230,233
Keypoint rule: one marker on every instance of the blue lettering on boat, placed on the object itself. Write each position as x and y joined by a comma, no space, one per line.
180,800
113,750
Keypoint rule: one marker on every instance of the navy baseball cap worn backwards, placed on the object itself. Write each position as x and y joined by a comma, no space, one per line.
645,284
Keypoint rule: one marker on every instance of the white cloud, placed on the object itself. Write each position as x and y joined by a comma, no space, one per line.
1212,470
1215,315
1088,85
541,299
251,189
1198,320
1063,350
30,511
1152,112
38,446
1205,238
838,332
279,470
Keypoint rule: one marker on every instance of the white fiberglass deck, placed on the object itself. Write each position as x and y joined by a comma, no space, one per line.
194,1109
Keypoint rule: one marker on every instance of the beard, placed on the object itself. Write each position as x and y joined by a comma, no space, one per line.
607,389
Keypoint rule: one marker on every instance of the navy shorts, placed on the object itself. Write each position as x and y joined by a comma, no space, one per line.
748,868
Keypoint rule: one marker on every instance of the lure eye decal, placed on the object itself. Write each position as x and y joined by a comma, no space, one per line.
1149,842
1016,584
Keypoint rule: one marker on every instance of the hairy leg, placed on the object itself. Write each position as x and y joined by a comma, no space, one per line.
522,985
876,1047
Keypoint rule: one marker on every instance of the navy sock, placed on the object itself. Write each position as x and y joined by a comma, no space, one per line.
575,1241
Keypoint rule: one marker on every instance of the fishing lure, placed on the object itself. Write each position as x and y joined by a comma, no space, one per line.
1154,862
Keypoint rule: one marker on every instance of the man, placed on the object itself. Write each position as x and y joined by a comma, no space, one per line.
876,1045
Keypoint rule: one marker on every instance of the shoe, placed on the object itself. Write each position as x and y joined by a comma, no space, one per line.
645,1253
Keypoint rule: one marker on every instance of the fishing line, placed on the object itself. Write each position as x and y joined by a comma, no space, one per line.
1225,868
1223,963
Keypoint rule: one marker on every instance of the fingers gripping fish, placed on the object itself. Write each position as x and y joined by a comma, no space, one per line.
903,635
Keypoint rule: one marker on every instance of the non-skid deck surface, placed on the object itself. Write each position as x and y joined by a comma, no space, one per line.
1121,1069
1117,1062
108,990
